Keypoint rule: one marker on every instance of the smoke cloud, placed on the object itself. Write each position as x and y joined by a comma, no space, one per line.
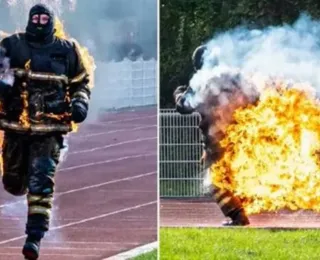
243,59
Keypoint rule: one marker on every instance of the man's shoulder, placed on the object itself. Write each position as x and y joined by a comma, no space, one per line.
65,43
14,37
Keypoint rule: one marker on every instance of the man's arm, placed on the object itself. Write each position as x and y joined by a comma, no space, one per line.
79,90
6,76
5,46
180,95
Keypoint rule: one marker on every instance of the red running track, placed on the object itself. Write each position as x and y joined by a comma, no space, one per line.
205,213
106,192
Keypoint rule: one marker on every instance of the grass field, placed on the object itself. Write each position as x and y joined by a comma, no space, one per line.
148,256
238,244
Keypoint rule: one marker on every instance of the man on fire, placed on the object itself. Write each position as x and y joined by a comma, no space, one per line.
50,91
229,204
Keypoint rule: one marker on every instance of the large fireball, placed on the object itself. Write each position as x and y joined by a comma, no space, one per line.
271,152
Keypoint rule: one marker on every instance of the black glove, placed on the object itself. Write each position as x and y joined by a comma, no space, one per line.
182,109
79,111
182,106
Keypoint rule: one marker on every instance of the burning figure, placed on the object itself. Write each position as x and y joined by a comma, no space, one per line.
50,91
229,204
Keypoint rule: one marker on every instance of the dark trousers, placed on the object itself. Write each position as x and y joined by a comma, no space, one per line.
229,204
29,166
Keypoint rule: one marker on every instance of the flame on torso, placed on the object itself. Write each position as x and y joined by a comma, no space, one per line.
86,58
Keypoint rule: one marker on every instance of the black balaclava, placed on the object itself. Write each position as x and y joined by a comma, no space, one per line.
40,33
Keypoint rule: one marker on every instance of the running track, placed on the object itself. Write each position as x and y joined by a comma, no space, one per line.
205,213
106,192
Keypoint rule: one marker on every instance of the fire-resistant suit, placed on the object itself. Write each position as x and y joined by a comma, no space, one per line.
229,204
49,92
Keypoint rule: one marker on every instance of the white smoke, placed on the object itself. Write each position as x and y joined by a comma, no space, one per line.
217,84
206,185
290,52
64,150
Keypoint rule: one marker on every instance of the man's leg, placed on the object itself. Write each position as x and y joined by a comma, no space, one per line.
14,158
230,206
43,160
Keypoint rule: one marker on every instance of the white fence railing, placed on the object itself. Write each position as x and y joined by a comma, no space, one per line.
181,174
125,84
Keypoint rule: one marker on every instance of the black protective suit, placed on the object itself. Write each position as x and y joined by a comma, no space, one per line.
49,92
229,204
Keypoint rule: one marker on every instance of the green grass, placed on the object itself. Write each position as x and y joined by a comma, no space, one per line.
238,244
148,256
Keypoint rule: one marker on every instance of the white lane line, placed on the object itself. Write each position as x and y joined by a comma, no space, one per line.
134,252
106,161
106,183
87,220
112,145
46,243
89,242
76,136
65,248
87,187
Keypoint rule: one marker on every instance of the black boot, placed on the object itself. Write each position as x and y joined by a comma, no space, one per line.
31,248
239,218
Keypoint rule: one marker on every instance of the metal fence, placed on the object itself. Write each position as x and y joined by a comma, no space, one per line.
181,174
125,84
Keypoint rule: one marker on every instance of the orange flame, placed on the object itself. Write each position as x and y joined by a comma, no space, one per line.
271,152
24,117
87,59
